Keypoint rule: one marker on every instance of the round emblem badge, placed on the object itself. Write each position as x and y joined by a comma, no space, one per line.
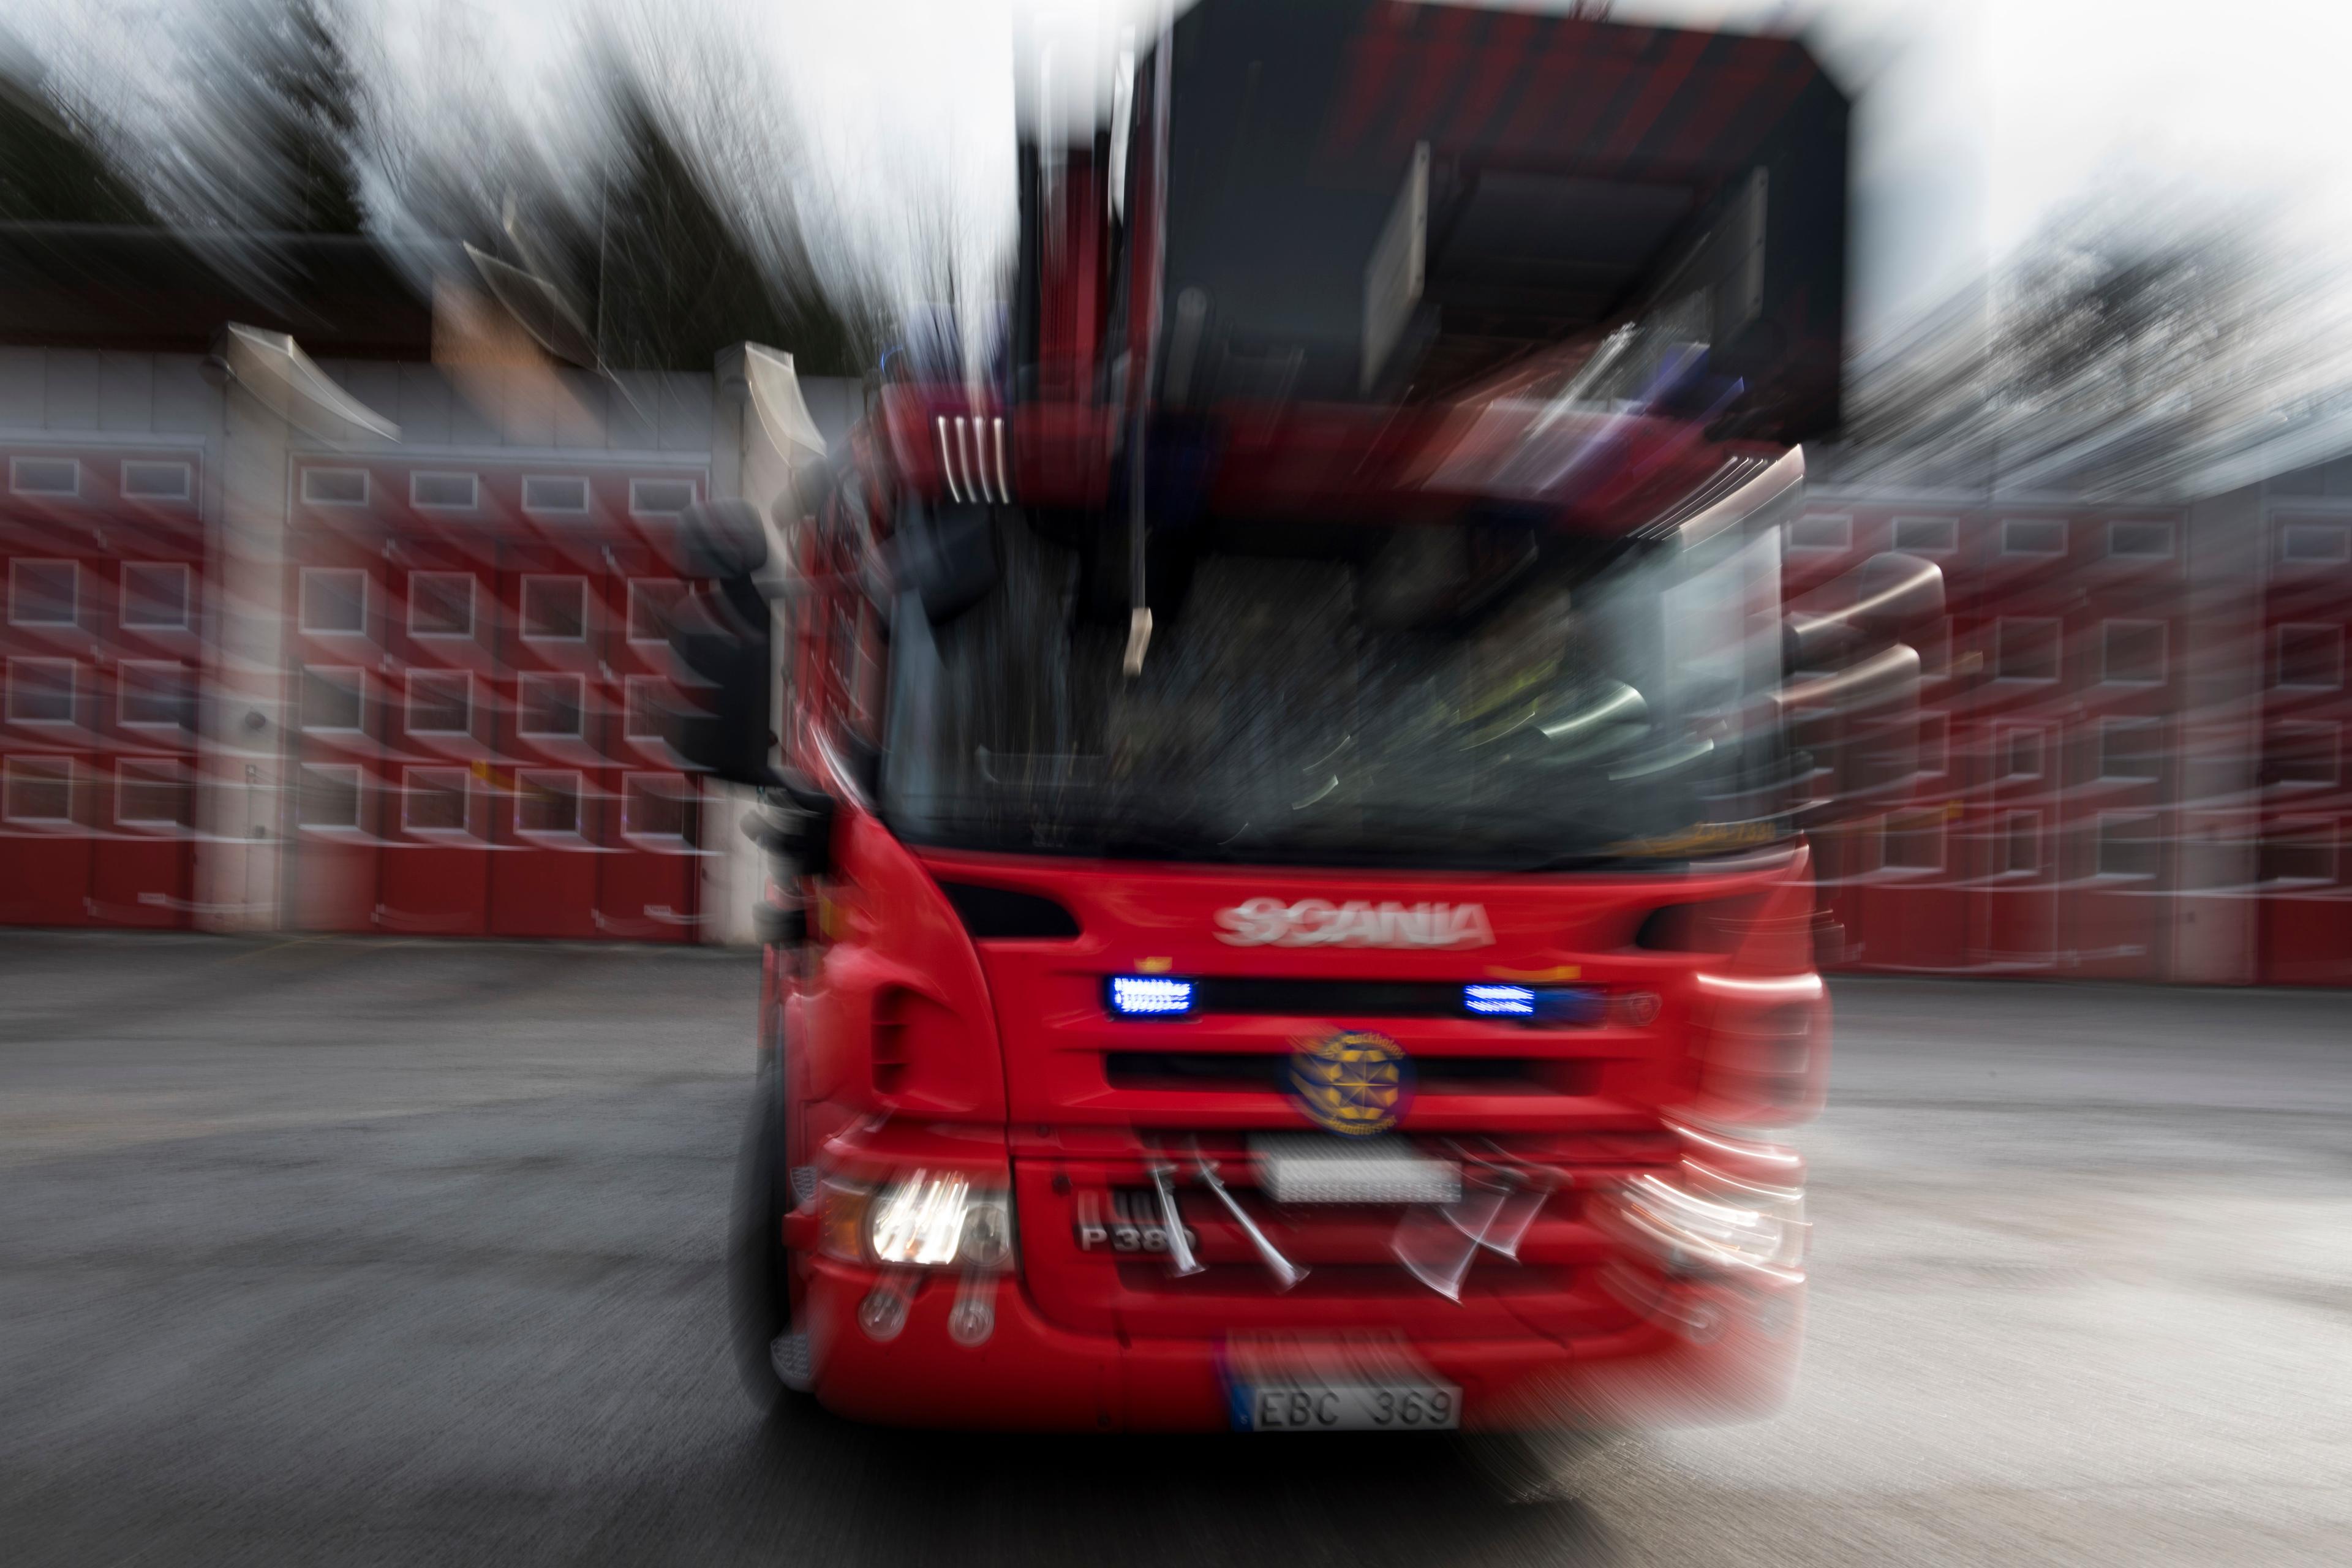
1353,1082
1639,1008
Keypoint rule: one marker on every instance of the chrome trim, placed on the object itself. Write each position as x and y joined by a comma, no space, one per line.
836,771
1285,1273
1742,485
1452,1239
1726,480
964,460
973,1317
1180,1251
947,462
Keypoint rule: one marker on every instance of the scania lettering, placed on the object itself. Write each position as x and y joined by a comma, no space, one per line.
1318,922
1287,779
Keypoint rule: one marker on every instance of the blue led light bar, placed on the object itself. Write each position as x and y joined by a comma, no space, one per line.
1500,1000
1149,995
1536,1003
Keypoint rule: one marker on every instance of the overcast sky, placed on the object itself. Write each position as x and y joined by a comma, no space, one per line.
1977,118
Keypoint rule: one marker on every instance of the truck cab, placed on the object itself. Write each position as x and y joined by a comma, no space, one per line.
1287,783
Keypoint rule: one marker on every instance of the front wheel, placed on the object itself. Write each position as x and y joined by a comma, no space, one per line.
759,1267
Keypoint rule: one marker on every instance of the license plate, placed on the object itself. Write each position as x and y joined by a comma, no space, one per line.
1347,1407
1318,1168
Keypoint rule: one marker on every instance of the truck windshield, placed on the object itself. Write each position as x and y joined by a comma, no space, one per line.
1409,697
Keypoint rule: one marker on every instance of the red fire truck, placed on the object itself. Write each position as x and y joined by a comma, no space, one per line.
1288,909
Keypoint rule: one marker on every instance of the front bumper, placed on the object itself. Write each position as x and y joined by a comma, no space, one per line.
1694,1350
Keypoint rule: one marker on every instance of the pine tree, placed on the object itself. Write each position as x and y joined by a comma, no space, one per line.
53,166
677,279
285,116
644,238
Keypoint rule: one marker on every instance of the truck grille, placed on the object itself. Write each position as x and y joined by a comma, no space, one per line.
1280,997
1095,1253
1251,1072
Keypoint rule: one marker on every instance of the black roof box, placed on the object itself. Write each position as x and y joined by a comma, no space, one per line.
1370,199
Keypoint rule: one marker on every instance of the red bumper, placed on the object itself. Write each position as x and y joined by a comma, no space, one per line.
1694,1353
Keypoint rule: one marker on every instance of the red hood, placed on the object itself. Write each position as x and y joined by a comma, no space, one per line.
1068,1064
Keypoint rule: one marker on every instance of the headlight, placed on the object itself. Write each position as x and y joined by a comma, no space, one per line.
919,1220
927,1219
1701,1219
1763,1049
987,1231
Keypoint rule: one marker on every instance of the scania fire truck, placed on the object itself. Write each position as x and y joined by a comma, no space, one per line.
1285,777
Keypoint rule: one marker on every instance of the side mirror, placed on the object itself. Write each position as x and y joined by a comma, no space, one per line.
795,823
720,724
1610,720
774,925
1888,597
1856,706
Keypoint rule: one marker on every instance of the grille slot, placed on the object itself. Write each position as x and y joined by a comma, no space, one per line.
1258,1072
1275,997
1338,1282
1002,914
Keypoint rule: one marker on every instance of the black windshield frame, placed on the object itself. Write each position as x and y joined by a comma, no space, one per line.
1209,785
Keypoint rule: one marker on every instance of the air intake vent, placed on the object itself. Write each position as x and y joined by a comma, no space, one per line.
1000,914
1267,1072
1718,926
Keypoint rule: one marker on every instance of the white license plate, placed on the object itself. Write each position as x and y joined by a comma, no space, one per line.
1347,1407
1318,1168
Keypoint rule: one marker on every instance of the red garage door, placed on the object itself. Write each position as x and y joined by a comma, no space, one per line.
1893,872
102,561
441,733
2123,635
340,673
2306,895
2013,726
487,762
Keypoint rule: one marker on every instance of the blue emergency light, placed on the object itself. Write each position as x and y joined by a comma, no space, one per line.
1537,1003
1500,1000
1149,996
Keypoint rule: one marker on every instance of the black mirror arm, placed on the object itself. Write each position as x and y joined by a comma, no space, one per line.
801,791
802,830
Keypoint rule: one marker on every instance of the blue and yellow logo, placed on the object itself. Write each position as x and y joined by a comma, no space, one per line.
1353,1082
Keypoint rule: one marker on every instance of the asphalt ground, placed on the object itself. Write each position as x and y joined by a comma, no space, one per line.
354,1252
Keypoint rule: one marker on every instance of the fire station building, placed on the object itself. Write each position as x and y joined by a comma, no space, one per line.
364,642
2132,750
342,615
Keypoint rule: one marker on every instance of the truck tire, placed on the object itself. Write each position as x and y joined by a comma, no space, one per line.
759,1267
